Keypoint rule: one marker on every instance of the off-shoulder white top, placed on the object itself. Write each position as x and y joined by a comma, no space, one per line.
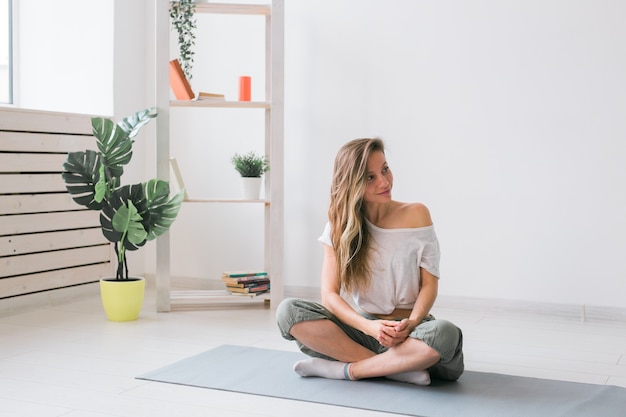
397,255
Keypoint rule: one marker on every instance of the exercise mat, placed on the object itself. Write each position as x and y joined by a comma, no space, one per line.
267,372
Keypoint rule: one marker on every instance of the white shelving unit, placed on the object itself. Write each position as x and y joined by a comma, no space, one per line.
273,108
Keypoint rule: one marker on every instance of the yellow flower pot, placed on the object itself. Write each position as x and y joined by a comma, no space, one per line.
122,300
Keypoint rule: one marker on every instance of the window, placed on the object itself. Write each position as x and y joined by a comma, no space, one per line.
6,73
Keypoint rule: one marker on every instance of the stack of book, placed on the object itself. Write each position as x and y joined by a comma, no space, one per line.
251,283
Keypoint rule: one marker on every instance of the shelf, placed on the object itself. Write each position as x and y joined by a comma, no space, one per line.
226,8
221,104
224,200
205,298
272,105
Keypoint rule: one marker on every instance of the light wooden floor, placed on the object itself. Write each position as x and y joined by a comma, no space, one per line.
68,360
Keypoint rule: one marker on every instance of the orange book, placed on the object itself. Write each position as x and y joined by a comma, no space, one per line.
179,83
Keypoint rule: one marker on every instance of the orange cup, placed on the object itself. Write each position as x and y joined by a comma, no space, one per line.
245,83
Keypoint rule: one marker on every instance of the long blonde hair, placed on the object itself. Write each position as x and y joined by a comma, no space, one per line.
350,236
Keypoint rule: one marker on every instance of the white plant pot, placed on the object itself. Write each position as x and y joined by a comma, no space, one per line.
251,188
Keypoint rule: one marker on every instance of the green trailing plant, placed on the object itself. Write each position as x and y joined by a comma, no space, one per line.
250,164
130,215
182,15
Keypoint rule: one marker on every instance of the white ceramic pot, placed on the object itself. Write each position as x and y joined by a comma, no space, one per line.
251,187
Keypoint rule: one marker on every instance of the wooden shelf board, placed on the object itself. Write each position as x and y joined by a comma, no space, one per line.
199,298
226,8
224,200
221,104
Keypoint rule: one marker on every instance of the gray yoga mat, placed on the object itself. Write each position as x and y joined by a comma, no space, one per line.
267,372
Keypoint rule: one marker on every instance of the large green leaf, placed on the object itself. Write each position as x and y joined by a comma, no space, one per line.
128,221
114,145
134,122
153,205
118,199
115,140
161,211
81,174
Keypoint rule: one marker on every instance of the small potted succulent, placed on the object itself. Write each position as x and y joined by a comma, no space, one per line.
251,167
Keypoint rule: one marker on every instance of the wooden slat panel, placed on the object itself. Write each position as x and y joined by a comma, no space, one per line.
33,223
54,279
31,162
40,262
36,203
39,242
42,142
44,121
31,183
36,231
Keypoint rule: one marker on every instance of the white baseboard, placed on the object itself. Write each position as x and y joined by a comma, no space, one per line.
47,299
583,313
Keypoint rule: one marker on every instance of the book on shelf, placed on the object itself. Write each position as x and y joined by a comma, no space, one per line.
246,290
179,83
243,273
248,283
178,183
246,279
210,96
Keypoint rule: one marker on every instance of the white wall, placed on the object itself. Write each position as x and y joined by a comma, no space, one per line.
63,56
505,118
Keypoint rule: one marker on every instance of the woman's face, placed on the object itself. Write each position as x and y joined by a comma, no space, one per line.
379,179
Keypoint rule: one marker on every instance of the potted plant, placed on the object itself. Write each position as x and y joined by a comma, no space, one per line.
182,14
251,167
130,215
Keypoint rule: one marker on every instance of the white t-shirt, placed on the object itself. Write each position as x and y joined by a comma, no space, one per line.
397,255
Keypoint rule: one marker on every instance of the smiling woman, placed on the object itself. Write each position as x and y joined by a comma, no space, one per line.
6,73
385,255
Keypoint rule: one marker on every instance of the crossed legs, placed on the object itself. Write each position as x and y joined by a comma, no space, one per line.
405,362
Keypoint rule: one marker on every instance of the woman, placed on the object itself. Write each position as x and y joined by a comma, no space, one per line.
385,254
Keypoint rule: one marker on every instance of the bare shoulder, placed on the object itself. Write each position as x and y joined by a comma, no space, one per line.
415,214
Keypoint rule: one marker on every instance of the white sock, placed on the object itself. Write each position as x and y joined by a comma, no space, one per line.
321,367
411,377
325,368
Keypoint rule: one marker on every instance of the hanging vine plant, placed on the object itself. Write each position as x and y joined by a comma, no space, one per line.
182,14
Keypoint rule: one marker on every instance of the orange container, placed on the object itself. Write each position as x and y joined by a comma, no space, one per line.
245,84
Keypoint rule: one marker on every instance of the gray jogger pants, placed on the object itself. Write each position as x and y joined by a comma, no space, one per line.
441,335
